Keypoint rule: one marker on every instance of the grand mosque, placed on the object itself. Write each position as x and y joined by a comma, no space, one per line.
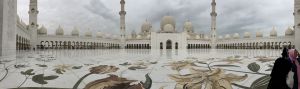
34,36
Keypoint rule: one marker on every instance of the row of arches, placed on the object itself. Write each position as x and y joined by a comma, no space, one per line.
138,46
198,46
22,43
76,45
256,45
169,45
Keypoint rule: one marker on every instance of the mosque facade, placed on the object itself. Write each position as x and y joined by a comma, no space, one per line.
35,36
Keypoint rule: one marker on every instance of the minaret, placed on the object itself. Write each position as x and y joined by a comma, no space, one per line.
213,33
122,23
297,23
33,25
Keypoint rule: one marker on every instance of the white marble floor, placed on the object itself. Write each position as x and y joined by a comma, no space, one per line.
66,67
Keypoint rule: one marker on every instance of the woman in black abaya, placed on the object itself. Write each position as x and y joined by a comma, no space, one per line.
282,67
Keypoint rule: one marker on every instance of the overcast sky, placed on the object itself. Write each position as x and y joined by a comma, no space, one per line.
234,16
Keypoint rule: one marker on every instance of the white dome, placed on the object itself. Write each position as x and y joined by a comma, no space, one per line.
273,33
197,36
247,35
59,30
236,35
148,36
227,36
259,34
146,26
169,28
167,20
75,32
138,37
115,37
289,32
188,26
18,18
206,37
99,35
220,37
88,33
42,31
108,36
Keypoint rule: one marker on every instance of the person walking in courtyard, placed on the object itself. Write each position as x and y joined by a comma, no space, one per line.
282,67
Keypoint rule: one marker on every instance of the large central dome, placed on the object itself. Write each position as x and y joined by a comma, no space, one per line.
188,27
167,20
146,27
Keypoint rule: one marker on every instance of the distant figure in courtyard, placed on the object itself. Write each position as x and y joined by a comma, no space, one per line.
282,67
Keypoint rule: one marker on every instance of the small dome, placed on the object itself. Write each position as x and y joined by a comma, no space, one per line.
59,30
108,36
188,27
104,35
247,35
88,33
227,36
259,34
18,18
167,20
197,36
138,37
220,37
148,36
42,30
206,37
75,32
273,33
146,27
169,28
115,37
289,32
236,35
99,35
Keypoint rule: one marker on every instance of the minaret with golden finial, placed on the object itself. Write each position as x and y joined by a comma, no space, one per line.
122,23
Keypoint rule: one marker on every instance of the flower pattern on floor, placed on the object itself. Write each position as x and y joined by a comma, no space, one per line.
50,70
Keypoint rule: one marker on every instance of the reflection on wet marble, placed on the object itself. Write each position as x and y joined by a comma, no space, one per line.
167,69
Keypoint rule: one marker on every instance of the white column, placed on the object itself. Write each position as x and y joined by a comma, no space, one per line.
8,19
297,24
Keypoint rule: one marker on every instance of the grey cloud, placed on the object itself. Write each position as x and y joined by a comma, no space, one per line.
102,15
97,7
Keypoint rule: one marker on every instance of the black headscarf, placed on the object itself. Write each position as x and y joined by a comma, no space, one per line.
284,53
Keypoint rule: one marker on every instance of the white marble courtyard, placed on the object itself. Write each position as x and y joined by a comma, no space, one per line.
66,67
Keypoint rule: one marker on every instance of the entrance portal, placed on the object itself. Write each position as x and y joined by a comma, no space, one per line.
169,44
161,45
176,45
